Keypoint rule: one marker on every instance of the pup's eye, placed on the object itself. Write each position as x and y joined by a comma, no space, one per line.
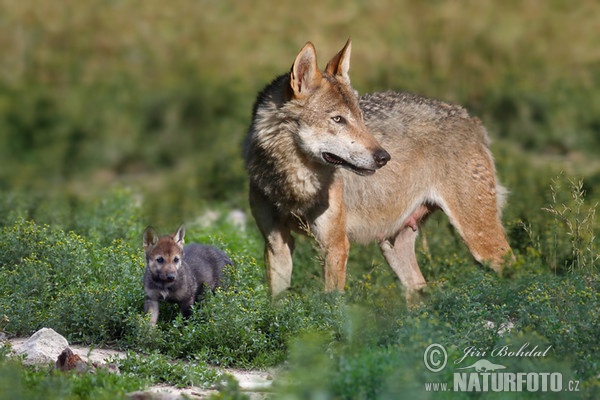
338,119
160,260
176,260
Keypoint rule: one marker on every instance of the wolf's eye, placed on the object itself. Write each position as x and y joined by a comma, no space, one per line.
160,260
176,260
338,119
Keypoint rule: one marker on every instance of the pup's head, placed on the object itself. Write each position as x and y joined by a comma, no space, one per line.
332,130
164,254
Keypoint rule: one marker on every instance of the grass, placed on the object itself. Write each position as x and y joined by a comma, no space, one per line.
366,343
118,115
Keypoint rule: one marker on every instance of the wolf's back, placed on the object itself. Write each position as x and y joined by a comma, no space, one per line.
403,103
393,117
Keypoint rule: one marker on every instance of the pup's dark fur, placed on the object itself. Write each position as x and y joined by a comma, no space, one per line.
178,274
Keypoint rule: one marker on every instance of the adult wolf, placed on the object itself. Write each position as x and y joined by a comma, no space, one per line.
313,155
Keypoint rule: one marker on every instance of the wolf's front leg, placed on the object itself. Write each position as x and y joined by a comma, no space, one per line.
278,260
330,231
152,307
336,256
279,243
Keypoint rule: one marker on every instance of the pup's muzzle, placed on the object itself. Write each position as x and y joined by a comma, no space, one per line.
164,278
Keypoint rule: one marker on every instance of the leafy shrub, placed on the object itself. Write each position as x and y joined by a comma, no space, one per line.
60,279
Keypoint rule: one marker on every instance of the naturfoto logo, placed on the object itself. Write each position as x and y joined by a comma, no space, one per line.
484,375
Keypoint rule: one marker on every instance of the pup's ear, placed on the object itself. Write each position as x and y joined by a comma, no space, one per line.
150,237
340,63
179,235
305,76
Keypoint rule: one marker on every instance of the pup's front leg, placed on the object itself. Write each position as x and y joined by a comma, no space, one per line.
186,307
152,307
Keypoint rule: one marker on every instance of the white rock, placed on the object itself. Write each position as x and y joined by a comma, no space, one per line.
43,347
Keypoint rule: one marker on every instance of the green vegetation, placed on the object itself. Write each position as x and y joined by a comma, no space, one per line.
45,383
115,115
366,343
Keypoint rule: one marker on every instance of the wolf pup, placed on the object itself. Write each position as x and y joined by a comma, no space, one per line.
178,273
361,169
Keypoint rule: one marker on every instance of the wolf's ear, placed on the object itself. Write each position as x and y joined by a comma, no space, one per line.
179,235
150,237
340,63
305,76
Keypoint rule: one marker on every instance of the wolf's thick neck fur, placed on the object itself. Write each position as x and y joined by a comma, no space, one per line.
291,180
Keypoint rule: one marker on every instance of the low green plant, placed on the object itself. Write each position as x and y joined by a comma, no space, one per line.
579,220
157,368
380,354
18,382
567,242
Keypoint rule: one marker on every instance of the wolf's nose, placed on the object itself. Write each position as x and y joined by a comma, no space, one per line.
381,157
170,277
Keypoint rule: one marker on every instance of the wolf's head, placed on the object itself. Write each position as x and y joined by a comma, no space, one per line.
331,126
164,255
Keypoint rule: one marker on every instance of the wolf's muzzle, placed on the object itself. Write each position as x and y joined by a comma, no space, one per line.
381,157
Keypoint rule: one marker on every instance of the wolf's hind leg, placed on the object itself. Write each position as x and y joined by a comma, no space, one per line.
483,234
400,255
474,212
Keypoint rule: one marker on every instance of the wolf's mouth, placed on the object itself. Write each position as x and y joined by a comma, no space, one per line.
340,162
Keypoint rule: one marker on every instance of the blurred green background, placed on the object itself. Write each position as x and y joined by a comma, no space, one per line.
157,96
